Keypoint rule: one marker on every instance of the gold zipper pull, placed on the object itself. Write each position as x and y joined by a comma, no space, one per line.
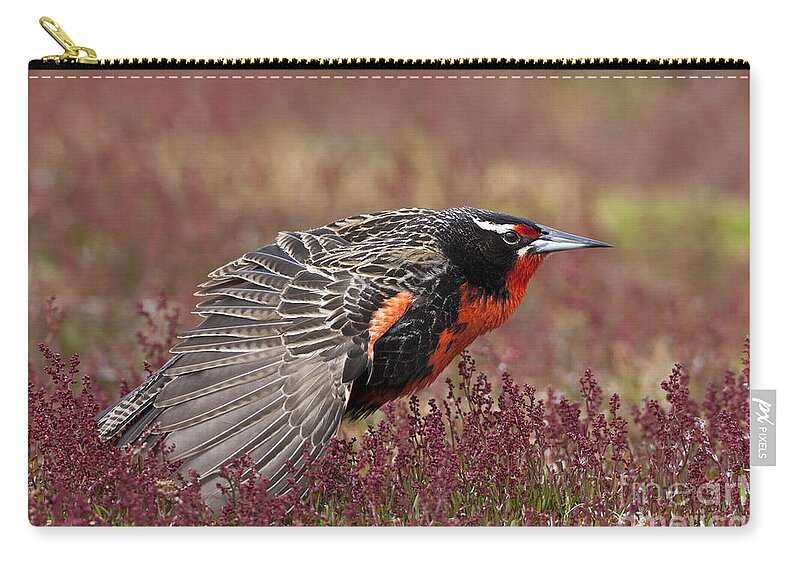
72,53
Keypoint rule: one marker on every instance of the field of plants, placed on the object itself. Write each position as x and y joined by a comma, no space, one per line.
142,188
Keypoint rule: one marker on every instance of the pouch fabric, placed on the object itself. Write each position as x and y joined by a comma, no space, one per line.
143,179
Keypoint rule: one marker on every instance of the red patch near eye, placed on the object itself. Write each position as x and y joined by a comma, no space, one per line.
527,231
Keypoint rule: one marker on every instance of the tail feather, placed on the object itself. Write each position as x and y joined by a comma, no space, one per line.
134,412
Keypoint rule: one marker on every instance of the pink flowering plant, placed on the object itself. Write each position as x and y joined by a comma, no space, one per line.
490,451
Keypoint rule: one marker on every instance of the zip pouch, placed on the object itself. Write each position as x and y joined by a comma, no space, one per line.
306,292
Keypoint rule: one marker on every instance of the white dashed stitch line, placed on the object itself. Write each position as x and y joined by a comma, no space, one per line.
385,77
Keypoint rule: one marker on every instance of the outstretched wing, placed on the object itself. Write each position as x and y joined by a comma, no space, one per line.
268,372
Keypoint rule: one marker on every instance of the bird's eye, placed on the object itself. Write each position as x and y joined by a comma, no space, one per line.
511,238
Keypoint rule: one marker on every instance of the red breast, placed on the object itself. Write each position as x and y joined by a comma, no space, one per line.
478,314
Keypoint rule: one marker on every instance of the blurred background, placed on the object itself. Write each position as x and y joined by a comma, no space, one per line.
143,187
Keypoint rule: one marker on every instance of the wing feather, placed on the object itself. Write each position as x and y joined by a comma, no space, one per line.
268,371
198,361
212,433
196,384
208,406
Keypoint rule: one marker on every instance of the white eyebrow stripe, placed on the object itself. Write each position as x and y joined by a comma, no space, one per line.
491,227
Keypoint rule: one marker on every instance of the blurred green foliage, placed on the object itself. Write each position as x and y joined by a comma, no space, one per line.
664,220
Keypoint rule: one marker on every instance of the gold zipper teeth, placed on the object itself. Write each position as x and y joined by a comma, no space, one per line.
455,63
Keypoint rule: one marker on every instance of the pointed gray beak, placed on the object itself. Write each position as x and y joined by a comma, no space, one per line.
553,240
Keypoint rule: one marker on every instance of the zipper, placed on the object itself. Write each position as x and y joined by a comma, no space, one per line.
79,57
72,53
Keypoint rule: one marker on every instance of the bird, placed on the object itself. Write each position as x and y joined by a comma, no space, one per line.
324,325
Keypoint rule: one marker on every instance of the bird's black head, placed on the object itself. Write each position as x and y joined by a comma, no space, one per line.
488,247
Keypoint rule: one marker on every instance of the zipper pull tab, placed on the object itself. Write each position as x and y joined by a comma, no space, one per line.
72,52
